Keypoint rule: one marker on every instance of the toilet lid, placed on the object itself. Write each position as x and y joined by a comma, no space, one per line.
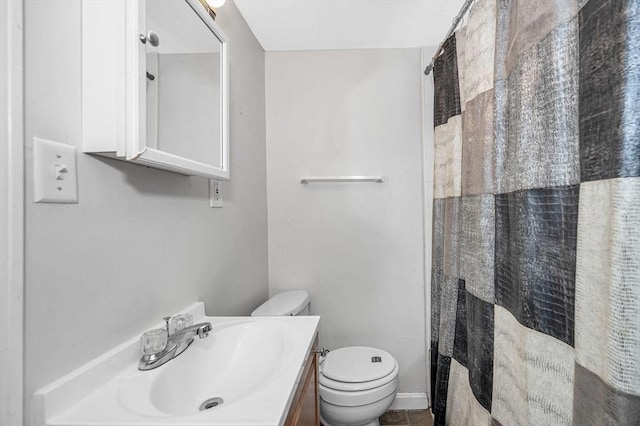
355,364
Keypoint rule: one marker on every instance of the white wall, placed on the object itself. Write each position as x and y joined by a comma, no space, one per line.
142,243
427,186
357,248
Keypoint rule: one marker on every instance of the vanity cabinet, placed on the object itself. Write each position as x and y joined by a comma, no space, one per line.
305,408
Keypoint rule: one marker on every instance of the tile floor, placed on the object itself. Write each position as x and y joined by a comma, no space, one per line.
407,418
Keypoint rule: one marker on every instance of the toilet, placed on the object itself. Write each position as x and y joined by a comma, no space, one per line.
357,383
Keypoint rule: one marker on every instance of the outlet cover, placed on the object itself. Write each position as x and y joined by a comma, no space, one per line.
215,194
54,172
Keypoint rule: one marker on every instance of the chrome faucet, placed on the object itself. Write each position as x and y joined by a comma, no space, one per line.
176,343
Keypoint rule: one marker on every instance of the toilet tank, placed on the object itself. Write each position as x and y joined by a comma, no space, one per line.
287,303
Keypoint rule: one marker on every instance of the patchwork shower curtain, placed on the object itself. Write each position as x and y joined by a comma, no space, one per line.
536,216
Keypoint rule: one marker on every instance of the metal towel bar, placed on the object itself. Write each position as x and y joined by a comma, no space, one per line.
313,179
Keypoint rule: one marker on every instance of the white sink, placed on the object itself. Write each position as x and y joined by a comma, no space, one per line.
238,358
247,369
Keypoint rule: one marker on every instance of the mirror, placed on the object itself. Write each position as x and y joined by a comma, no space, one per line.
183,83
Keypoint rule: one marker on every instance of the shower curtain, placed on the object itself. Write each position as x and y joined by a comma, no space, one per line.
536,216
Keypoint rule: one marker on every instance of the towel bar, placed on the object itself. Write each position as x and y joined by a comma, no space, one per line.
312,179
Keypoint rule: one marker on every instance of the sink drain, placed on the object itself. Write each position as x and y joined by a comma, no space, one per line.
211,403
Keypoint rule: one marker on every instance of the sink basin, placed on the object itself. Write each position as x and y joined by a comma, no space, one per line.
238,359
244,373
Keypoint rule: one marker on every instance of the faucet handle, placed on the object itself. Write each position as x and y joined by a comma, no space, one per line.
153,341
180,322
166,323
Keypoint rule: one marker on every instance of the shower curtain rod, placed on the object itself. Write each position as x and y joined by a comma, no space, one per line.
456,21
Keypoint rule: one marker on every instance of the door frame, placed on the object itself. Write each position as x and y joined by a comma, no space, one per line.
11,212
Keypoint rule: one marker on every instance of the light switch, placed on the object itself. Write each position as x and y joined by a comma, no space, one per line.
54,172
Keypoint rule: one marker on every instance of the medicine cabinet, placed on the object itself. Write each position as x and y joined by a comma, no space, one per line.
155,85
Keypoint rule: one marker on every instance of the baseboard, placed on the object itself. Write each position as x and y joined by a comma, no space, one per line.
410,401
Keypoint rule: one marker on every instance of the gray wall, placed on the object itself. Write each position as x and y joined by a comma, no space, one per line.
357,248
142,243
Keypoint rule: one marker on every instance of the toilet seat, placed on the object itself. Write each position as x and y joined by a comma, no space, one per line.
358,386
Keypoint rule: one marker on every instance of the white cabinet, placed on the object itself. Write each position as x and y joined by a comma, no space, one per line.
155,85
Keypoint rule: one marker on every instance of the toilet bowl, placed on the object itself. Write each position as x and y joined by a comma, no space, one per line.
357,383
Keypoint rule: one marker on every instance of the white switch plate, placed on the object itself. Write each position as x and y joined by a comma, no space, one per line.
215,194
54,172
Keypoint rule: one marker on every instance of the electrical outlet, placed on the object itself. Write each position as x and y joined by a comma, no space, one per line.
215,194
54,172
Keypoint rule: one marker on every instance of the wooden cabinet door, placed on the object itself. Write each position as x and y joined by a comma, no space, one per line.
305,409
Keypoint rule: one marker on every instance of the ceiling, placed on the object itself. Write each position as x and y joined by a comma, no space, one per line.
348,24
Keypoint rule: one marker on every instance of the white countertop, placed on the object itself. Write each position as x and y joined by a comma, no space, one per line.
101,391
